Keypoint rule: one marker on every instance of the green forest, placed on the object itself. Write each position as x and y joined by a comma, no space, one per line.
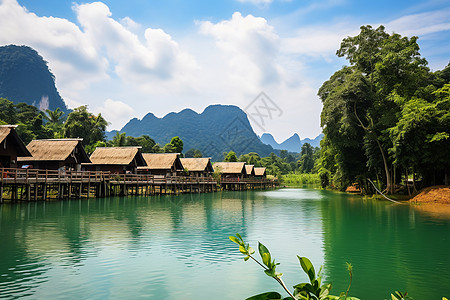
386,116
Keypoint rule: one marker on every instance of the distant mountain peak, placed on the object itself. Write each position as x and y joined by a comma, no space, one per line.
218,129
291,144
25,77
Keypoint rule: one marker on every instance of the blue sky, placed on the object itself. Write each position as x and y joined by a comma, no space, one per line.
128,58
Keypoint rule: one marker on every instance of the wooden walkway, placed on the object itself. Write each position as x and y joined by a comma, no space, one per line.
34,185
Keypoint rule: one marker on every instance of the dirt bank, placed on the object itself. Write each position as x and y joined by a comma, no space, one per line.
433,195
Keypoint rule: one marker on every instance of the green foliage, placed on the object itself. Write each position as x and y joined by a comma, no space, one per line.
81,123
313,289
91,148
169,148
231,157
177,144
400,296
306,162
296,179
193,153
27,117
147,143
55,121
386,113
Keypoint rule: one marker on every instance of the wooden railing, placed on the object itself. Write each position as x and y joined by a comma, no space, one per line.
24,176
10,175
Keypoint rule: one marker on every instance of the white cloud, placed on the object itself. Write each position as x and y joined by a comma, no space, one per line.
117,113
229,62
59,41
422,23
253,59
250,47
158,58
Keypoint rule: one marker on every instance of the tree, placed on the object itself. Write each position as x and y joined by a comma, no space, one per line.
7,111
231,157
193,153
177,144
306,163
146,142
82,124
358,99
119,140
169,148
54,116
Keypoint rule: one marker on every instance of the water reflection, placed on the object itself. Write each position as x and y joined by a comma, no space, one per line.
392,247
177,247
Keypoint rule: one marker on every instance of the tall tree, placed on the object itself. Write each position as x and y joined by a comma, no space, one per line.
381,65
231,157
177,144
82,124
306,162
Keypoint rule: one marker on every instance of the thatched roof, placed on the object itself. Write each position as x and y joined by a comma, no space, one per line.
260,171
197,164
230,167
162,161
10,130
54,150
117,156
250,169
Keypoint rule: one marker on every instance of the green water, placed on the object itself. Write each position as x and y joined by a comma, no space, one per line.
177,247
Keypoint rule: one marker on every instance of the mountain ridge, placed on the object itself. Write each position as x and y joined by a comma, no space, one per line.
217,129
291,144
25,77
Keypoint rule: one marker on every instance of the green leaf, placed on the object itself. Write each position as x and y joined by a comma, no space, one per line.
307,267
242,250
394,298
324,293
266,296
234,240
265,255
240,237
246,258
262,249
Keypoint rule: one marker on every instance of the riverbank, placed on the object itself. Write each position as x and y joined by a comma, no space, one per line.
434,200
433,195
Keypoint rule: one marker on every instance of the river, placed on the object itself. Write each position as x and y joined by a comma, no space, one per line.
177,247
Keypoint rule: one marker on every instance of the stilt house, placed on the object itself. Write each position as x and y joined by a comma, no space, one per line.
54,154
231,169
250,171
198,167
117,160
167,164
260,172
11,147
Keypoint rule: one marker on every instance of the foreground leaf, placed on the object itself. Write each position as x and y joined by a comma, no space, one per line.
307,267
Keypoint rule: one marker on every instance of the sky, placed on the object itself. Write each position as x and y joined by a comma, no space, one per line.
125,59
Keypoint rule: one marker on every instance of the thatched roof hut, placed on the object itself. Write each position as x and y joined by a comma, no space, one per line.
250,170
11,146
53,154
116,159
198,166
231,169
260,172
162,164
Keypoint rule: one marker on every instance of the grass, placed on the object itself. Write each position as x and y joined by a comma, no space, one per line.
300,179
